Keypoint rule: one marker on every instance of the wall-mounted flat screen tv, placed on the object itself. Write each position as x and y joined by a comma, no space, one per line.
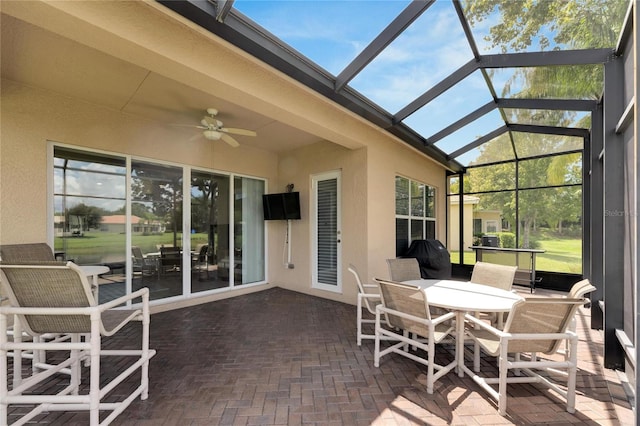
282,206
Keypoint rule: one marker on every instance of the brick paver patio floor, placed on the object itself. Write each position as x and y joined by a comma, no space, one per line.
281,357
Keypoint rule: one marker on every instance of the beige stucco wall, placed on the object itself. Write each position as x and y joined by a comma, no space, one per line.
32,117
297,167
368,158
387,159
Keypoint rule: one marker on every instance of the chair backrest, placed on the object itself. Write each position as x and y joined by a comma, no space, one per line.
170,256
408,299
540,315
581,288
404,269
137,253
48,285
202,254
26,252
494,275
367,303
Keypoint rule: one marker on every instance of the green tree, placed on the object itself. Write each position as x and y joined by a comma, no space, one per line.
161,189
542,25
84,217
551,24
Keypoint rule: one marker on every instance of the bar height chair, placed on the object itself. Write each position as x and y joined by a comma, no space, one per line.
24,252
48,297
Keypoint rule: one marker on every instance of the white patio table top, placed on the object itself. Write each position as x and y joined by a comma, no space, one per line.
463,297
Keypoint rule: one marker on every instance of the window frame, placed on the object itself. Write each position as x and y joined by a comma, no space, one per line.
427,219
186,200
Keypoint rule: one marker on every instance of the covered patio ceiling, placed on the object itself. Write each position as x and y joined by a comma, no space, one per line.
428,73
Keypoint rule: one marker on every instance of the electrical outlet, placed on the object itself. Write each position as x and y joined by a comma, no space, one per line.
290,265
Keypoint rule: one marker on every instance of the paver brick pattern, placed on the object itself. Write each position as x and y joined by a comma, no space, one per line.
278,357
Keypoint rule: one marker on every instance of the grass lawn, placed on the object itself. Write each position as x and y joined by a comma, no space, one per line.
561,255
103,247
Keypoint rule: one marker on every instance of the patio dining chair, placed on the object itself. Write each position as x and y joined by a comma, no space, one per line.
142,265
578,291
534,325
407,312
201,262
494,275
404,269
369,298
49,297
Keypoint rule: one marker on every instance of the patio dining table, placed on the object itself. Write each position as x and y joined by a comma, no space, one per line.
462,297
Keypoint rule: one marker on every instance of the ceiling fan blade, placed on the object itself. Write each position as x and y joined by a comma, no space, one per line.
195,137
235,131
192,126
231,141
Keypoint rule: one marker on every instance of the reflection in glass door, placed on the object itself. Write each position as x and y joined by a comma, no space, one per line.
209,231
89,222
248,231
156,228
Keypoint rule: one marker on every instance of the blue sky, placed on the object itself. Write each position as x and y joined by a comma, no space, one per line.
333,33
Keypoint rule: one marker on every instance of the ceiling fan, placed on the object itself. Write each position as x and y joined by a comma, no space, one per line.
213,129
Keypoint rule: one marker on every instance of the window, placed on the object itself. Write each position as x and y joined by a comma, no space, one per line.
492,226
89,198
415,213
191,231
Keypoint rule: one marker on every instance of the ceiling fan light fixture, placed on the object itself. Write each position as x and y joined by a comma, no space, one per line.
212,135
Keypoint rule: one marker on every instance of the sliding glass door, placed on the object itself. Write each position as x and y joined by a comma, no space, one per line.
156,226
102,200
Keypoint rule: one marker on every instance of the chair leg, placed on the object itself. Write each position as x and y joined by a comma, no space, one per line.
502,381
430,355
571,380
17,353
476,357
144,369
94,373
359,320
376,356
76,365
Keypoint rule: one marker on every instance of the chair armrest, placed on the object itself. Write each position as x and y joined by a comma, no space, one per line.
482,324
120,300
370,295
443,318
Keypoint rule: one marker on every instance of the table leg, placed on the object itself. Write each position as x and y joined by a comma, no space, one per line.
533,272
95,288
460,342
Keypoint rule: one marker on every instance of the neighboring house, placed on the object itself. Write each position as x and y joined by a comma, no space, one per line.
487,221
469,202
475,221
117,223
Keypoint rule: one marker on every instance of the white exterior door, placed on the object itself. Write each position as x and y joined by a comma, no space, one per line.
326,230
